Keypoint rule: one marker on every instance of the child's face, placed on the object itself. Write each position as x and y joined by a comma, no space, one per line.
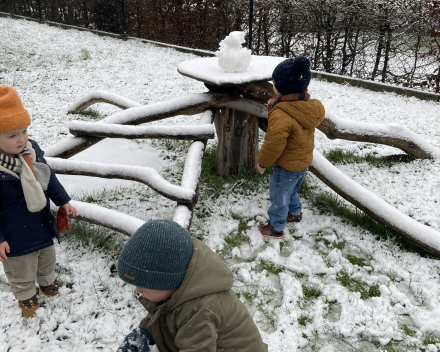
13,142
154,295
278,94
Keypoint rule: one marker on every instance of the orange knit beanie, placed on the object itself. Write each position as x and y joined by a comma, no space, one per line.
13,115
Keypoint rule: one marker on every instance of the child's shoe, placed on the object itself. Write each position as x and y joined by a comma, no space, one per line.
29,306
51,290
294,218
268,230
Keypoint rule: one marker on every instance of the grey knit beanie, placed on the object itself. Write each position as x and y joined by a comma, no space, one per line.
292,75
156,256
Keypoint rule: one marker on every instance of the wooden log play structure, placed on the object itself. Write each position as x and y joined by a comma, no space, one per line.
234,105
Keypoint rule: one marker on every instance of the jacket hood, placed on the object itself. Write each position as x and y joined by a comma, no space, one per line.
309,114
206,274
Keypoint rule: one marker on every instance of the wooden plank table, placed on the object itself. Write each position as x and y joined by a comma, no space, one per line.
237,131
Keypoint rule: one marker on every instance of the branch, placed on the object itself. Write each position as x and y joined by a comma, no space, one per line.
108,218
191,173
145,175
188,105
100,96
391,134
409,229
185,132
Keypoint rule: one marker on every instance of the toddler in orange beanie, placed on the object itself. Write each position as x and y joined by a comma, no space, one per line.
27,226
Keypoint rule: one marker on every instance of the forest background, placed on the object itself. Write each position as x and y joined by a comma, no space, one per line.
392,41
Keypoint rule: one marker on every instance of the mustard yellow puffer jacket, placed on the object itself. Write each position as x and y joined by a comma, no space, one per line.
290,136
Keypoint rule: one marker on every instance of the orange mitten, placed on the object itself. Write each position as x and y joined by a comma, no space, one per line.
62,220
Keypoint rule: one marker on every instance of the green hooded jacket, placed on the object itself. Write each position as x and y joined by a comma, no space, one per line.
204,314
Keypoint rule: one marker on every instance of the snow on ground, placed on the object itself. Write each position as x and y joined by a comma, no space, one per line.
328,286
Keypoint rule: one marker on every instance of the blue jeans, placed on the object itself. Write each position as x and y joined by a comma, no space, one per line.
283,192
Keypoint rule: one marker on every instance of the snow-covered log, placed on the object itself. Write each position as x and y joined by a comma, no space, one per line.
182,132
70,146
190,104
108,218
191,173
411,230
187,105
392,134
145,175
100,96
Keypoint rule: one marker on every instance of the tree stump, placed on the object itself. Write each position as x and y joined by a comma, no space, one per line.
237,148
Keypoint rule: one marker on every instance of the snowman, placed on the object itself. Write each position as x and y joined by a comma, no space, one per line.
232,57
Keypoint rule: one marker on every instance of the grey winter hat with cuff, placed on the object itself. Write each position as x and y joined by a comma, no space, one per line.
156,256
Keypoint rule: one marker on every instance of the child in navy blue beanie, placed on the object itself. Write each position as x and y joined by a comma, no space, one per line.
289,141
186,289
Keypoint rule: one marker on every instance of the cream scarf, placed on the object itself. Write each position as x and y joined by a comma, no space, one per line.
32,186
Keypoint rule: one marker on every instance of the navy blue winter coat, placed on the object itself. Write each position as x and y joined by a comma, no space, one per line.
24,231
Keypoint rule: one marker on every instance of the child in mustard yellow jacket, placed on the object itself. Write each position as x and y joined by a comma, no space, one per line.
289,141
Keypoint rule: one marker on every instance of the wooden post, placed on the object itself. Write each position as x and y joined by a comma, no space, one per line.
237,148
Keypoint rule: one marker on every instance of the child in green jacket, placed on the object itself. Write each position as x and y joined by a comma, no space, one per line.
186,289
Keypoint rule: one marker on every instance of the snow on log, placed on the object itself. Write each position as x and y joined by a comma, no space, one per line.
191,174
183,216
70,146
181,132
193,165
100,96
392,134
145,175
411,230
108,218
190,104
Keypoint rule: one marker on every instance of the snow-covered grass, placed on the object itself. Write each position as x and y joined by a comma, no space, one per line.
334,283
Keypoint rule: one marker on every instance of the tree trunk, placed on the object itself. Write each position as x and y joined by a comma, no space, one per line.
237,148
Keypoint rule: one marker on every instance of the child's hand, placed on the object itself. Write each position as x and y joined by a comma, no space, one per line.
63,219
261,169
70,209
4,248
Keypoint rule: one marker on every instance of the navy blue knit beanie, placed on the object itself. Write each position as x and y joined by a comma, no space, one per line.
292,75
156,256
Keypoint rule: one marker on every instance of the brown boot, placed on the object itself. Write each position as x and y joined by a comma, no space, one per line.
294,218
268,230
29,306
51,290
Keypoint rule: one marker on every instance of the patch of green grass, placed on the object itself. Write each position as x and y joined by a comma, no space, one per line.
357,285
92,113
270,267
212,186
391,347
342,156
304,319
85,54
94,237
431,338
249,296
311,292
408,331
235,240
327,202
356,260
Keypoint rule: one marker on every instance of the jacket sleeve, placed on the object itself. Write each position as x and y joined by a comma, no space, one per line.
2,238
55,189
275,140
199,332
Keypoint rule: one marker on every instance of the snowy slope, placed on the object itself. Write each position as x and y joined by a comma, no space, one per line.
51,68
